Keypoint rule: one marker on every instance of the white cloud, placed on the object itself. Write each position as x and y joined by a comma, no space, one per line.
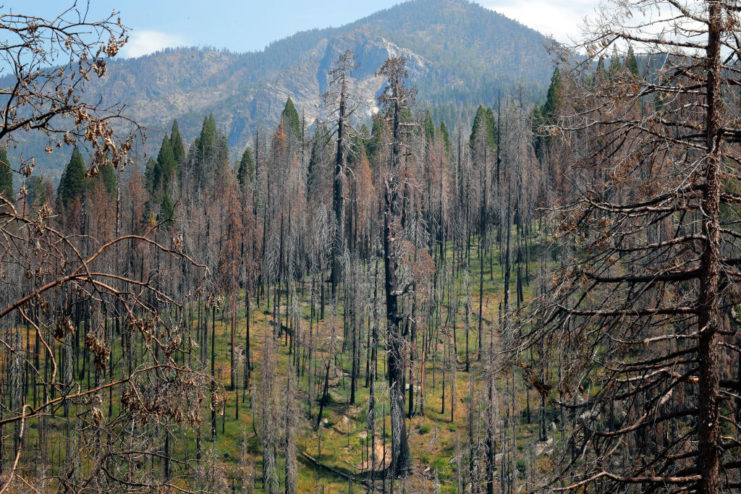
145,42
561,19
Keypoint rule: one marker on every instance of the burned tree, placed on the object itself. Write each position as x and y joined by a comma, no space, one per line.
643,311
395,98
74,281
339,95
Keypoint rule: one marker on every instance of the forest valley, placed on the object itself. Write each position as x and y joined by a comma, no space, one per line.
543,299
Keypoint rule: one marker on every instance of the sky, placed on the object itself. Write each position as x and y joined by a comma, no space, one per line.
250,25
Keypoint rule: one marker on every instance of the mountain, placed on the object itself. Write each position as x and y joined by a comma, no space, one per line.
460,55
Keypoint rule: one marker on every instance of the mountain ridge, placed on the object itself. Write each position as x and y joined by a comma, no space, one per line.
460,55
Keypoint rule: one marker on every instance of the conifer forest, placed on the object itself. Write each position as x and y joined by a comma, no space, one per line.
394,281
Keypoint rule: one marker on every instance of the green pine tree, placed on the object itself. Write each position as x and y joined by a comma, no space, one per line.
206,141
321,151
6,176
165,167
553,98
205,152
481,123
72,183
491,122
246,170
631,63
445,135
176,142
375,143
291,120
429,127
223,164
149,172
539,140
167,210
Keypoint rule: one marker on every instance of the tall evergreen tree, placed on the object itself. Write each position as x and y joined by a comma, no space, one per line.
166,165
553,98
246,170
429,127
321,150
445,136
167,210
548,112
291,119
491,121
205,148
484,121
6,176
223,165
176,141
375,143
631,63
72,183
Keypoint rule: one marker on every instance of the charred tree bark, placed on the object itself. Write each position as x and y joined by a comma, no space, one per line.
708,321
339,76
401,460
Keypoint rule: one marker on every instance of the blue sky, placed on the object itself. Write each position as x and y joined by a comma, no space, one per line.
249,25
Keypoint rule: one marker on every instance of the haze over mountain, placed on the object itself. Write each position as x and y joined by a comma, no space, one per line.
460,55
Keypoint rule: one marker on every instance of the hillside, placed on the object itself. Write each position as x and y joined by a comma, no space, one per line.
461,55
533,298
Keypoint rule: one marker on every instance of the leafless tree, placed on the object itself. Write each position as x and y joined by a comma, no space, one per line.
339,97
643,310
395,97
50,62
70,285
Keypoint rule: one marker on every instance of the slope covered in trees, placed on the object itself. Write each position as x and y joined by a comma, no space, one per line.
460,55
284,367
544,298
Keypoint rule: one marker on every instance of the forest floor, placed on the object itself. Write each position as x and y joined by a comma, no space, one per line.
339,449
336,456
